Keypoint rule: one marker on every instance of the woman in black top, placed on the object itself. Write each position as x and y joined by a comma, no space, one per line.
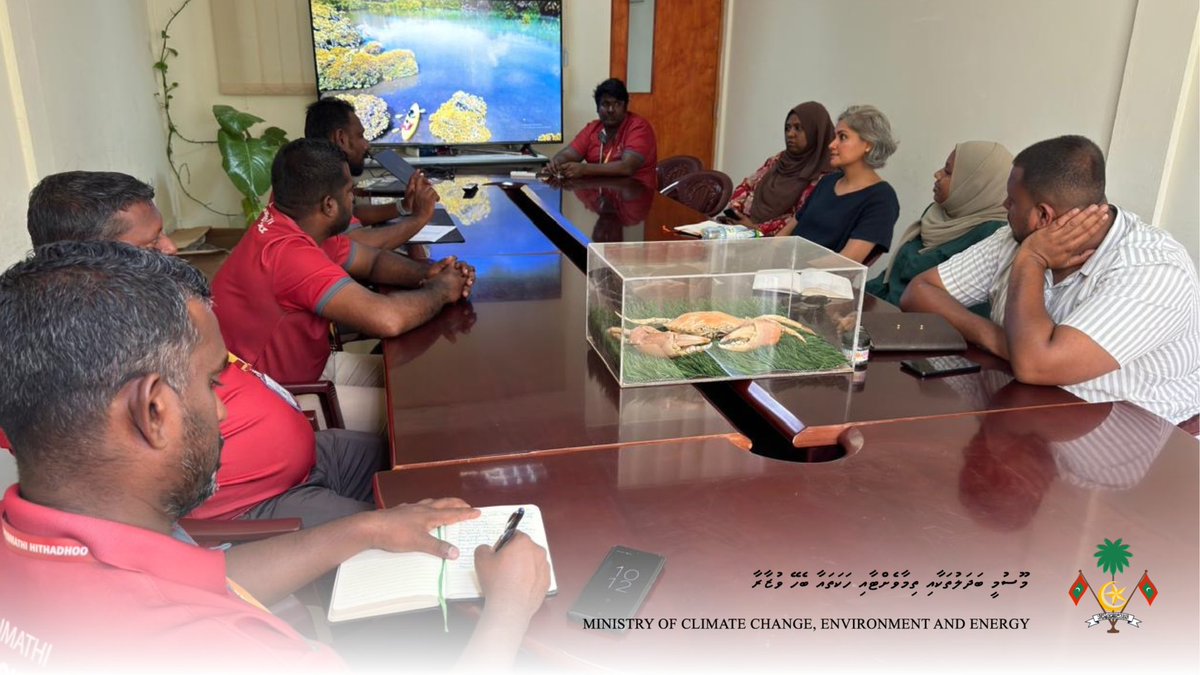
853,210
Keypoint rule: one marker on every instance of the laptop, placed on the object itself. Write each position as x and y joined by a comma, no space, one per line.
391,161
911,332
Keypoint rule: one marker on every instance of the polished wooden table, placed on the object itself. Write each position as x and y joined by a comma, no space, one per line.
510,373
807,411
982,521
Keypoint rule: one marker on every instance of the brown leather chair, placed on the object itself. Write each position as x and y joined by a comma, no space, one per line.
216,532
705,191
672,169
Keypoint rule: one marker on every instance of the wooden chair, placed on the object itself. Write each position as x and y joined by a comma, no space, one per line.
705,191
216,532
672,169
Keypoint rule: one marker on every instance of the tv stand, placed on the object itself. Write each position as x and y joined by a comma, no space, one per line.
482,159
492,157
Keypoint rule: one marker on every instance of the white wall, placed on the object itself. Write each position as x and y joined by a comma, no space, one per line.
944,71
84,85
1180,211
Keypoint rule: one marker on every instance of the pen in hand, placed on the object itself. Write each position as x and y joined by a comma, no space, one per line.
510,529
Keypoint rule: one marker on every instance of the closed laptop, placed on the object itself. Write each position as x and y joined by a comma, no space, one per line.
911,332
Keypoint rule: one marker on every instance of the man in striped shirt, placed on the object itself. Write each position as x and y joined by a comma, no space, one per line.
1084,294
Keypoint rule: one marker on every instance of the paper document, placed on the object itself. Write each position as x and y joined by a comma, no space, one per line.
431,233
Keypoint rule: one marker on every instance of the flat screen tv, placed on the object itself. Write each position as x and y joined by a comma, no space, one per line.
444,72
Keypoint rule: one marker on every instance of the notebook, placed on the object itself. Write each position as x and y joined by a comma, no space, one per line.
911,332
375,582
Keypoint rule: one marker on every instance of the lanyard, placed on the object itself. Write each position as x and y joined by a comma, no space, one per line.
267,380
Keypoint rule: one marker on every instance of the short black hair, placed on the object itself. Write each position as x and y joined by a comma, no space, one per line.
83,205
78,320
326,116
1065,172
305,171
611,87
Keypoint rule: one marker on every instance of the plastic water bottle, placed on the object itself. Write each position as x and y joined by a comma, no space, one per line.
729,232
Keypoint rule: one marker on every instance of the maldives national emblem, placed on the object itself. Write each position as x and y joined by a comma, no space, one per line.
1113,557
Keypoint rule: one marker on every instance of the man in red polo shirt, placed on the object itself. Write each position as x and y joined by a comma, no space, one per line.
274,466
620,143
334,120
294,272
112,362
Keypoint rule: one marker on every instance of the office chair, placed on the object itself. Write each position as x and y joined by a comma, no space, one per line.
705,191
671,169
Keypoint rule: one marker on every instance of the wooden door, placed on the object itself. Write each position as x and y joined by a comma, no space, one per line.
682,103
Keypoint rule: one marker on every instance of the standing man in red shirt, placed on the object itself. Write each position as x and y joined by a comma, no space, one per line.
620,143
295,272
273,465
112,363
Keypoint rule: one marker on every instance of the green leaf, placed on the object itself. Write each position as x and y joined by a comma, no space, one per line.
275,134
172,51
234,121
161,65
247,162
251,208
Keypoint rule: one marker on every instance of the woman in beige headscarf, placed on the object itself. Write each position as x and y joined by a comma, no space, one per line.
968,206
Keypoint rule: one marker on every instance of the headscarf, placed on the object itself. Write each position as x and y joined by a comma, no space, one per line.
779,190
978,188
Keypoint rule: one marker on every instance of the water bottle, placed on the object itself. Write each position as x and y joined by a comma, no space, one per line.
729,232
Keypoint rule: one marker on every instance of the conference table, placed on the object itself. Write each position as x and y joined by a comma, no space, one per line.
513,373
871,508
982,521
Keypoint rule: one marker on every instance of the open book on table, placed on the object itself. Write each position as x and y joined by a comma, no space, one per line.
375,582
810,281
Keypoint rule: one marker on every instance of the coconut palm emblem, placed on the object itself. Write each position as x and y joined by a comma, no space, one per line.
1112,557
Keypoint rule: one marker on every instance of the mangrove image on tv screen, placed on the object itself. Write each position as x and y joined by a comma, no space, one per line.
444,72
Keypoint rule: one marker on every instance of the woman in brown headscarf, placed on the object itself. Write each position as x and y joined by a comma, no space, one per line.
968,206
769,196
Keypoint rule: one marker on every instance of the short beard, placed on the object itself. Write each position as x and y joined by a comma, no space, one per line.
201,460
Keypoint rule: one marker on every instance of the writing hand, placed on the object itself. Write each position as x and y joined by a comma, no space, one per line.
515,580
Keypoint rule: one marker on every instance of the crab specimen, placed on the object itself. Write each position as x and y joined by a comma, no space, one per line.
755,334
661,344
713,325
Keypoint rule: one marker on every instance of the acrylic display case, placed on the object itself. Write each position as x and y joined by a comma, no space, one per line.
698,311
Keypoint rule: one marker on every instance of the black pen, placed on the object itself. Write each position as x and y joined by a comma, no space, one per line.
510,529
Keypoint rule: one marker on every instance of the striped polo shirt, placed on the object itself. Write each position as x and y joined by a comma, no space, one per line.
1137,297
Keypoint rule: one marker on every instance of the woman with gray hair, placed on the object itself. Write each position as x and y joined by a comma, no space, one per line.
853,210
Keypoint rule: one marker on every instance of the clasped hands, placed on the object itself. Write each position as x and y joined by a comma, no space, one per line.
456,277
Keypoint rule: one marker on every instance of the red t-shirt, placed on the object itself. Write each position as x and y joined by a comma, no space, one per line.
635,135
269,446
269,296
82,592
